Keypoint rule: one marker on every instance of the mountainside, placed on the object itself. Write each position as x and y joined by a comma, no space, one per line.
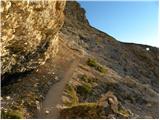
92,76
132,71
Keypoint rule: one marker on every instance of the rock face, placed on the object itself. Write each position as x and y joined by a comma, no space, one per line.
29,33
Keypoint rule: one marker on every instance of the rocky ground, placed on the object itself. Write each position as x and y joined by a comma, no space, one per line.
92,76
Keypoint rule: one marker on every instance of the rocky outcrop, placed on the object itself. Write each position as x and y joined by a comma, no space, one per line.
74,12
29,33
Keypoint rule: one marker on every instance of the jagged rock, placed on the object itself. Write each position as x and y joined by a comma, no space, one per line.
29,33
75,12
109,100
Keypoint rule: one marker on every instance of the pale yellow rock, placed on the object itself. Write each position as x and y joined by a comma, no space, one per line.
29,33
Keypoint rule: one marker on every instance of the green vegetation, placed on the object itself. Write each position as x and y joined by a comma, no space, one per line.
123,112
84,78
70,90
100,69
12,114
84,89
85,110
93,63
82,110
87,84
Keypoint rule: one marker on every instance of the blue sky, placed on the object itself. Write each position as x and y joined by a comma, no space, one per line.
127,21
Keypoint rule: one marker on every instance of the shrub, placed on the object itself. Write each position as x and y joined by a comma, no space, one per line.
84,78
87,79
101,69
72,94
91,62
84,89
97,66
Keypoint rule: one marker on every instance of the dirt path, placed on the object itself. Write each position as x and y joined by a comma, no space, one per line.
53,98
66,63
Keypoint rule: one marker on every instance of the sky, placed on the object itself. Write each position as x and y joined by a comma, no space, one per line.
127,21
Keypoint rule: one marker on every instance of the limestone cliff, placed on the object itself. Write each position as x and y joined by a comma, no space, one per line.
29,33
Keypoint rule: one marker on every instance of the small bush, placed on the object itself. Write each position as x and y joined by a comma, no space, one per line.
84,78
87,79
72,94
84,89
91,62
101,69
97,66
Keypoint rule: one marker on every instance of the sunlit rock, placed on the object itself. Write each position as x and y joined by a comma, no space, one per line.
29,33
